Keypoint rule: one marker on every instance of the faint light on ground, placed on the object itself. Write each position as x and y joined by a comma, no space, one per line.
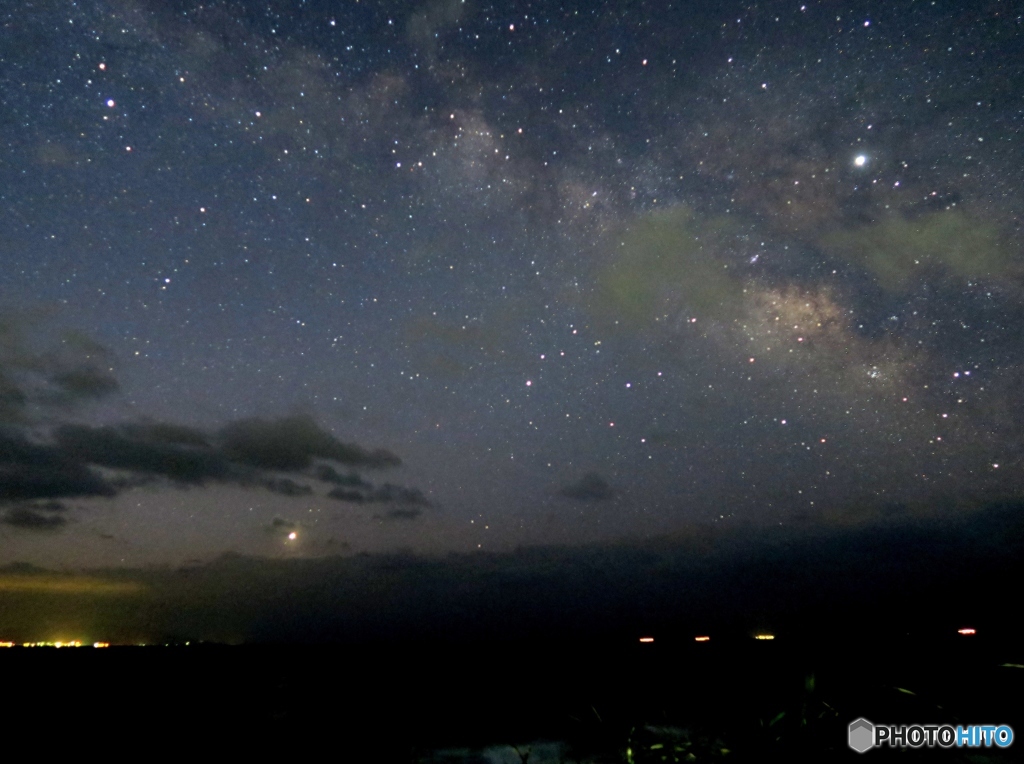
66,584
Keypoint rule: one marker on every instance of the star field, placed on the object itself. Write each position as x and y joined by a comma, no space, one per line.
589,270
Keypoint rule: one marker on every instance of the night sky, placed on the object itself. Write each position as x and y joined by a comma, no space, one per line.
501,274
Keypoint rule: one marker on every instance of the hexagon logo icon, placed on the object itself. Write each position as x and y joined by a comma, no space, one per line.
861,735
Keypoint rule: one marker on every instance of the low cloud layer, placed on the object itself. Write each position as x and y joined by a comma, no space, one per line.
590,487
712,580
46,377
78,461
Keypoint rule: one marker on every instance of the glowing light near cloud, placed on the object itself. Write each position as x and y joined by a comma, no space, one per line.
73,585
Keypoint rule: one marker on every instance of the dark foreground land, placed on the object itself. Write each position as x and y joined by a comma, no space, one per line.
469,658
733,699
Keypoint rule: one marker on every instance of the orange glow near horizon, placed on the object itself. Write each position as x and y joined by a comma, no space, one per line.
702,639
67,585
646,640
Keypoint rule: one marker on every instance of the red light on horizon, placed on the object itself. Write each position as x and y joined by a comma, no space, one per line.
966,632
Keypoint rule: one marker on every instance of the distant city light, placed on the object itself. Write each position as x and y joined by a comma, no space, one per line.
764,636
646,640
62,643
966,632
73,643
702,639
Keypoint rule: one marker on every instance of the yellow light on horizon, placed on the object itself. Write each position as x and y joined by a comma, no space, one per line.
646,640
101,644
966,632
764,636
702,639
67,585
7,644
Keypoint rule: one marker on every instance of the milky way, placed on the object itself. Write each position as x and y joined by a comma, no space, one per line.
310,278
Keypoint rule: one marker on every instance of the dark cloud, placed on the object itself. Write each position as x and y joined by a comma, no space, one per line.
287,487
590,487
281,527
172,452
42,374
23,481
40,370
12,398
343,494
397,494
242,453
290,444
328,474
87,382
31,519
404,513
279,523
50,506
45,515
167,433
32,471
409,499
